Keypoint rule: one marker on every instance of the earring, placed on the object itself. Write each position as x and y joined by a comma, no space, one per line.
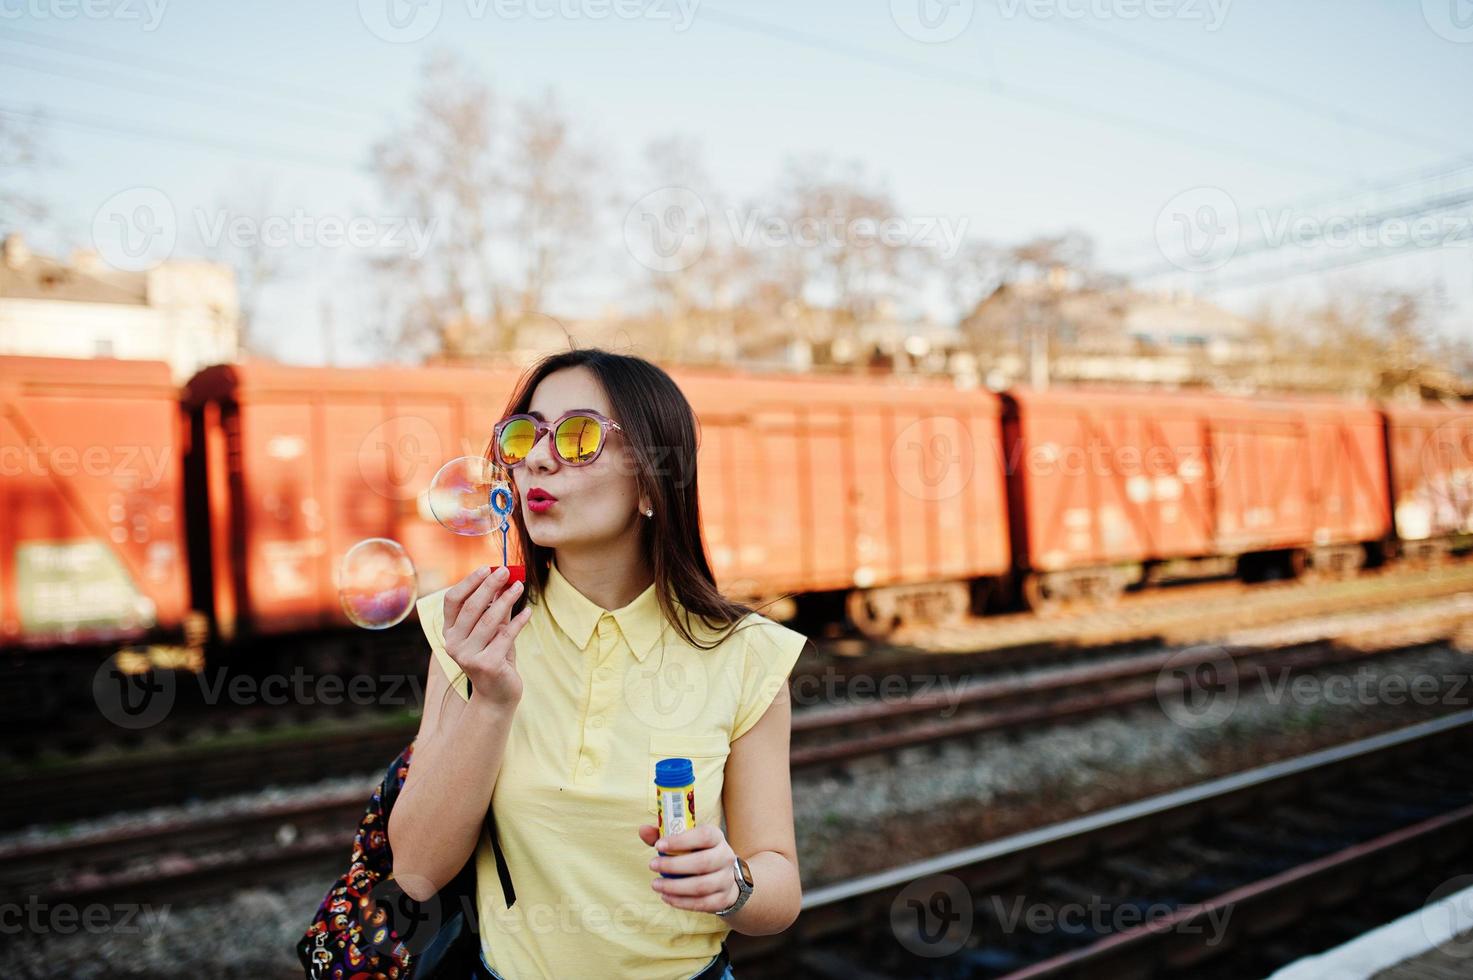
650,512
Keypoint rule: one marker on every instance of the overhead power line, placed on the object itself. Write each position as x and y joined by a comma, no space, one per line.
101,124
196,74
308,116
1241,82
1017,93
1147,251
1307,268
1457,203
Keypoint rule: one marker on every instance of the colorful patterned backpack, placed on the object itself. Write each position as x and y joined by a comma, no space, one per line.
366,927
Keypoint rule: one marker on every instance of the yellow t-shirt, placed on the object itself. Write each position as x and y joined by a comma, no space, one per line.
605,696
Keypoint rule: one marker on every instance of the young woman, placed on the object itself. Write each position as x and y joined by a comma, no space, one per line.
621,653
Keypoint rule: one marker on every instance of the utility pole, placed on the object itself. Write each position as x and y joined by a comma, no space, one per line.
324,319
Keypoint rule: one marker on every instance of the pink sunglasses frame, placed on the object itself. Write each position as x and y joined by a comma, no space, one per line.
541,428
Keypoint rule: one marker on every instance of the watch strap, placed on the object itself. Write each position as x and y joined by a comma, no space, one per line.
744,889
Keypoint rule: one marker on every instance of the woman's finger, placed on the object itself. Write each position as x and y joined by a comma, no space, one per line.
692,862
494,617
456,595
503,642
699,837
509,633
713,884
476,603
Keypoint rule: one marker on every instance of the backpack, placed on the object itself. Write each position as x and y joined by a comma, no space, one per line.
367,928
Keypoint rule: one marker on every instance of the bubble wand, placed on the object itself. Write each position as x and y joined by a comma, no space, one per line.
501,504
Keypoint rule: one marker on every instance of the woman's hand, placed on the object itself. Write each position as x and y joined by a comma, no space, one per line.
480,638
701,852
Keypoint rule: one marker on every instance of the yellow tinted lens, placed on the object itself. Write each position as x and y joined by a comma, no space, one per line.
578,438
516,440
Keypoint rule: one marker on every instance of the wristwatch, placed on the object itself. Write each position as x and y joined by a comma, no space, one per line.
744,886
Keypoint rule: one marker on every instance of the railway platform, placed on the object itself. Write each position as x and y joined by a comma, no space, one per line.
1433,943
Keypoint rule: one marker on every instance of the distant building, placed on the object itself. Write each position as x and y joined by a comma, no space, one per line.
186,313
1111,335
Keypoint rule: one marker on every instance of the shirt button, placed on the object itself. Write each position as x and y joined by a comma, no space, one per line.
603,673
587,769
598,722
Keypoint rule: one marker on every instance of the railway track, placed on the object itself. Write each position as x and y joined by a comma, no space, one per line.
1211,881
955,706
1180,614
205,854
184,857
1170,678
211,769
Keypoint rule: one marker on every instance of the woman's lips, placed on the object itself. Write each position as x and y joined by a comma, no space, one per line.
540,505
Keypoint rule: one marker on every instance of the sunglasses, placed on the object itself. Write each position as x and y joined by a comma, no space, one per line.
577,437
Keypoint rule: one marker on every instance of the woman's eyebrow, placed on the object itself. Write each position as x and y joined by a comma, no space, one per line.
540,417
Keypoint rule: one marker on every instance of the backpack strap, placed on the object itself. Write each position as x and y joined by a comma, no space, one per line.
502,872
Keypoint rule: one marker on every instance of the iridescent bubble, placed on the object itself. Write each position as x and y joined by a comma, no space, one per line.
460,496
376,583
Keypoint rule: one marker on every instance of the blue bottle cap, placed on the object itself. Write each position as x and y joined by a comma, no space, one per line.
674,772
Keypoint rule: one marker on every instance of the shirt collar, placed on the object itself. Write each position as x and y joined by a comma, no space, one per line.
641,621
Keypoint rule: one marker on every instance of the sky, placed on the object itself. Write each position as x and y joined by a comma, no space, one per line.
1181,135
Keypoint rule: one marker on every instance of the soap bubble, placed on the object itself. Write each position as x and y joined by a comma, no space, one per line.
376,583
460,496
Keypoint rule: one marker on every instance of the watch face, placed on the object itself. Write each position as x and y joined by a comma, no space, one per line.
746,871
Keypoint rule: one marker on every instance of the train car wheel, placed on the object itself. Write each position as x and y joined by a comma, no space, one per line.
1106,588
1042,593
873,613
1353,561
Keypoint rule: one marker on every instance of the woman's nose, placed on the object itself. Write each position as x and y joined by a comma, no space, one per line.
541,457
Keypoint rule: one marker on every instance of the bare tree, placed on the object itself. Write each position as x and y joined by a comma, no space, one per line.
256,262
836,267
1020,303
546,194
703,296
440,169
22,154
1371,341
508,207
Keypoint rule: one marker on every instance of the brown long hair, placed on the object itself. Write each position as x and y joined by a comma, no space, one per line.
661,428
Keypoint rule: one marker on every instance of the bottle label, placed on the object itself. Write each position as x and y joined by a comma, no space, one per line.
677,813
677,809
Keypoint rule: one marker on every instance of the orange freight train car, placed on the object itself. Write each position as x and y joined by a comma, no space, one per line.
1431,451
1108,487
886,493
91,535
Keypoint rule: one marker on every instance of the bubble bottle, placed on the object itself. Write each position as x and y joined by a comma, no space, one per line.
675,780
